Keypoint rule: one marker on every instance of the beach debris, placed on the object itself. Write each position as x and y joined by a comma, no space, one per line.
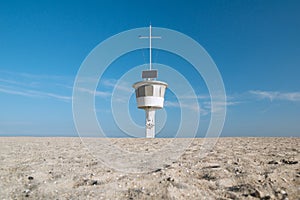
245,189
208,177
212,166
281,194
289,162
157,170
170,179
27,191
86,182
273,162
167,166
94,182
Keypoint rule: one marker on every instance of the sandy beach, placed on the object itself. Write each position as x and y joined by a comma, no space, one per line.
65,168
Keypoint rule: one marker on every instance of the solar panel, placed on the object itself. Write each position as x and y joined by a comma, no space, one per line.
149,74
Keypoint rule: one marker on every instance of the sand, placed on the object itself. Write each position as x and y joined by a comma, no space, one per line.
65,168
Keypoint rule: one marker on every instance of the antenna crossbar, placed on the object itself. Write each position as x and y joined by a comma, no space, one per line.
150,37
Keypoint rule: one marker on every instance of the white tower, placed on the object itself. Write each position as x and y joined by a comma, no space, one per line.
150,92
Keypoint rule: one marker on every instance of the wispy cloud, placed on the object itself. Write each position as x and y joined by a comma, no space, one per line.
176,104
32,85
111,84
34,93
218,105
200,97
124,86
204,109
105,91
276,95
95,92
221,103
11,91
118,91
24,75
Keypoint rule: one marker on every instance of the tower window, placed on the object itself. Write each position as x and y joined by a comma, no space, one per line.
148,90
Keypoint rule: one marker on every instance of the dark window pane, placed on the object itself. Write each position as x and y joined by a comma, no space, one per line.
141,91
136,93
149,90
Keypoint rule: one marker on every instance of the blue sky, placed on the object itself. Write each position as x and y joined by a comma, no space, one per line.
255,44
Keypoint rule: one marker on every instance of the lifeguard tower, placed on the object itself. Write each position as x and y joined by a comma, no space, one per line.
150,92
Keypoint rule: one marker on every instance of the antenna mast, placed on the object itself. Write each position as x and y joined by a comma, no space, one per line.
150,37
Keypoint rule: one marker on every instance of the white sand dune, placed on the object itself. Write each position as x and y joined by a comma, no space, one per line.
64,168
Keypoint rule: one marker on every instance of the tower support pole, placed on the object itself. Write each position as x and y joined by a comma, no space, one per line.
150,123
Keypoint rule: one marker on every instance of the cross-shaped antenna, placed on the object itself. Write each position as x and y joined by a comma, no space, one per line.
150,37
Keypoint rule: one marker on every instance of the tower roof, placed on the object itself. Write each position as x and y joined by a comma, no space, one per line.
148,82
